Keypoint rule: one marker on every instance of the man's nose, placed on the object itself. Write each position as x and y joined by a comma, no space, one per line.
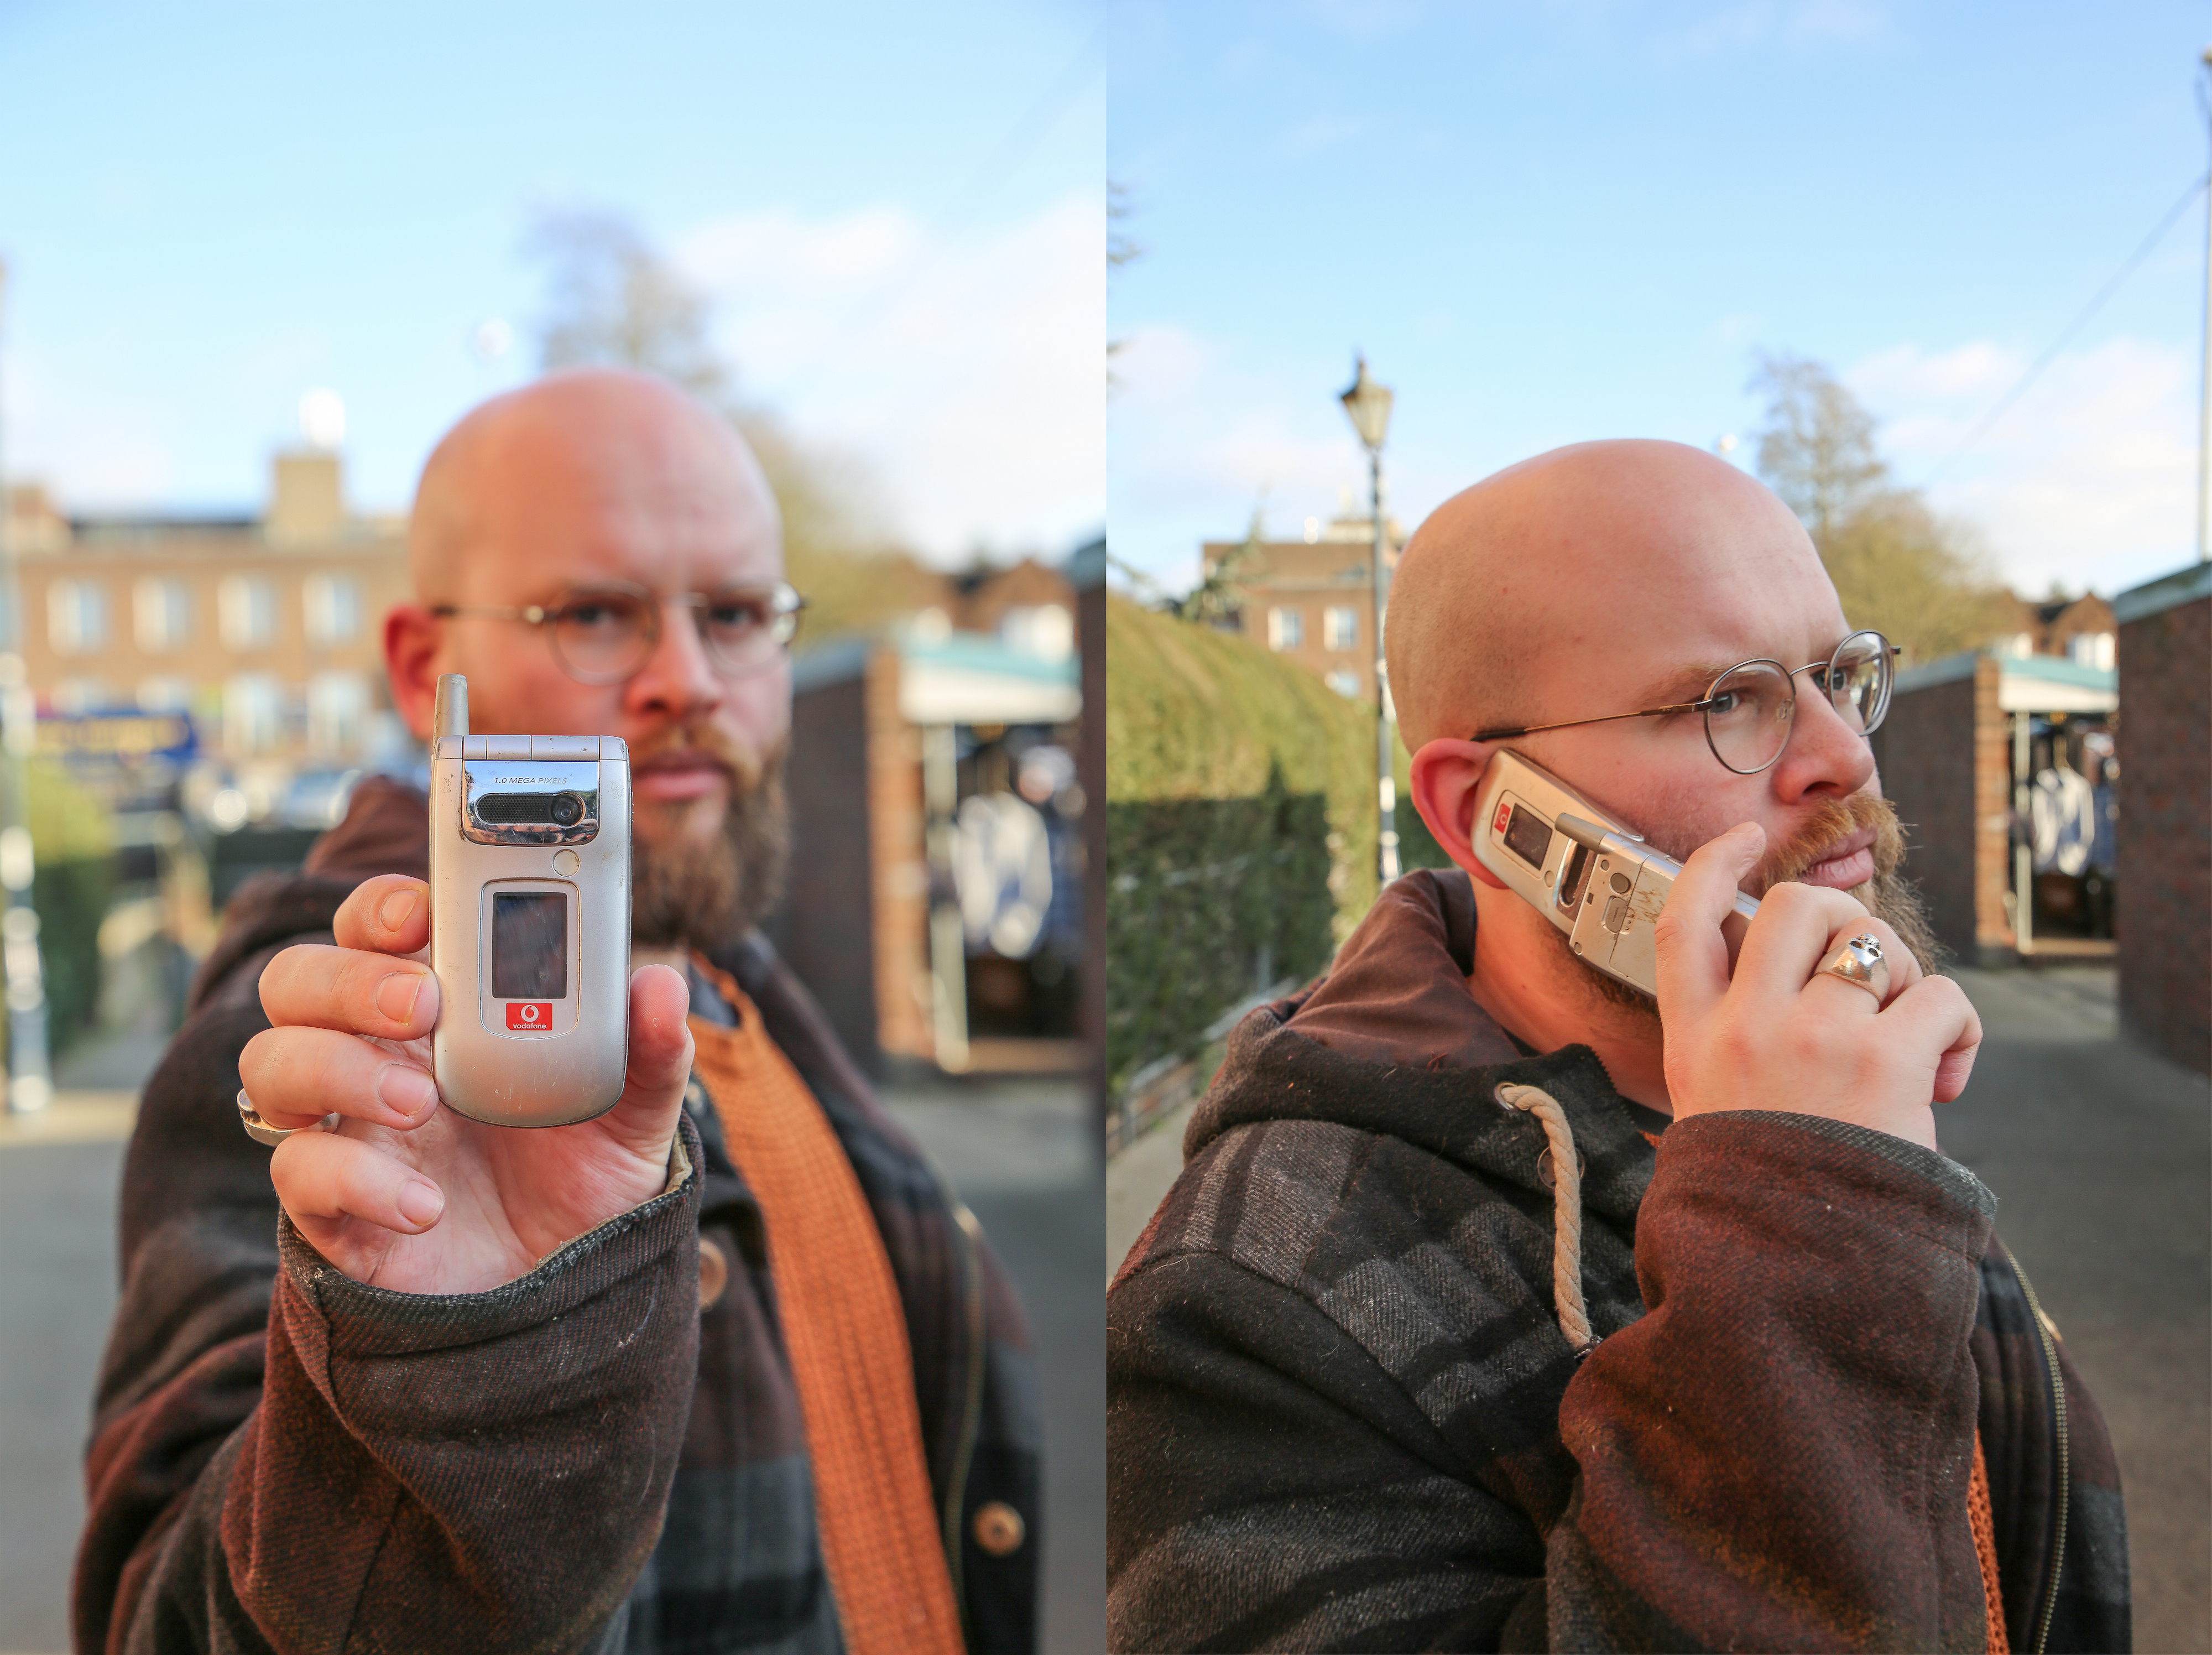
678,679
1825,754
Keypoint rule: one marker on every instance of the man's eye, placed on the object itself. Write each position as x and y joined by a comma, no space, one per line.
1726,701
735,614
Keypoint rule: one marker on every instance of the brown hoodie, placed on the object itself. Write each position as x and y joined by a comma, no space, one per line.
1342,1416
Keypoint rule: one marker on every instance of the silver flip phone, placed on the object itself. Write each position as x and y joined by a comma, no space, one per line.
1595,880
529,919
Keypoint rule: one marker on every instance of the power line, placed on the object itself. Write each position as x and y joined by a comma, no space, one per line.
1997,409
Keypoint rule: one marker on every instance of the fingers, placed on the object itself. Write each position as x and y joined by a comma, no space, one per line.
644,1119
388,914
1692,954
323,1179
1789,937
350,989
294,1075
1903,968
1938,1014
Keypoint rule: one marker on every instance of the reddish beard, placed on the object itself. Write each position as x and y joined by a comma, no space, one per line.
700,882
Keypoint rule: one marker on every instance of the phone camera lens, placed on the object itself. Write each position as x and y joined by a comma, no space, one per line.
568,810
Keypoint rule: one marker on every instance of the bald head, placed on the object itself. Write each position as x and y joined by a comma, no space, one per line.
586,474
1515,593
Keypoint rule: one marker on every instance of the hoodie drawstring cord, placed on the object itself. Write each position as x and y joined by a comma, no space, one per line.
1566,1212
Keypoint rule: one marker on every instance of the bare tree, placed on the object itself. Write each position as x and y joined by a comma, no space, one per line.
612,299
1817,451
1922,580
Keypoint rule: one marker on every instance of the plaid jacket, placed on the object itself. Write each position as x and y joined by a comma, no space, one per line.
283,1459
1342,1414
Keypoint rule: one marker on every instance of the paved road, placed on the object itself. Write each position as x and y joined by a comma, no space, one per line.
2101,1158
1019,1153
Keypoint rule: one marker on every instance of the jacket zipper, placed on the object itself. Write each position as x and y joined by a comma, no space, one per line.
956,1486
2058,1408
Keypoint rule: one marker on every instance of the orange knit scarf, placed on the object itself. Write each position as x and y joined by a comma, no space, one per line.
842,1325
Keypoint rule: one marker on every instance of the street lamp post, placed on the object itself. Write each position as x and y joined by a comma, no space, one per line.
30,1077
2204,407
1369,405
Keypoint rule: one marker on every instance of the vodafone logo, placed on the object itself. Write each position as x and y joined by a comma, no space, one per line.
530,1015
1504,815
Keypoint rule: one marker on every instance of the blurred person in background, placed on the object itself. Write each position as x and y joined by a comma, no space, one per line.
1499,1306
724,1368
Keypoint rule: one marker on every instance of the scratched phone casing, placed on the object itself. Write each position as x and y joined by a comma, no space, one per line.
529,931
1591,878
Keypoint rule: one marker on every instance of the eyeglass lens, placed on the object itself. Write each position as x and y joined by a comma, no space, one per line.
1747,721
605,636
1747,715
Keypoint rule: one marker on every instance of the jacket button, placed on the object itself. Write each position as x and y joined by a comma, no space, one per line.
999,1528
713,1273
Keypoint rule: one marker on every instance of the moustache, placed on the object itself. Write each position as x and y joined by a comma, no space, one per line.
744,769
1831,822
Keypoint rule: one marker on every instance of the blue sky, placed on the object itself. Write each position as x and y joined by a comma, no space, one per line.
210,210
1547,222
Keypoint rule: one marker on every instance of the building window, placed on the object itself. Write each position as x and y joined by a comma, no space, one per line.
77,616
248,612
252,713
337,712
165,694
160,613
1339,628
1344,684
74,697
1046,631
332,603
2020,646
1287,629
2092,649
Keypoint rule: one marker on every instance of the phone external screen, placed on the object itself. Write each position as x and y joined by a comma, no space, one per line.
1528,835
529,945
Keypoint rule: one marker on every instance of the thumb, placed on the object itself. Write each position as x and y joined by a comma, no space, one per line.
659,1060
1693,951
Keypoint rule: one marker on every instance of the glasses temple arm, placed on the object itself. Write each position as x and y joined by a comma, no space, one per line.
1534,729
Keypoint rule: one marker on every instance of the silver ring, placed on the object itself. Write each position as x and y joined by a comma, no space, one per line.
261,1132
1859,962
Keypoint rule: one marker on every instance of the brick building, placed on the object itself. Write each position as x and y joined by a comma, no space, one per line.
2164,822
1312,600
1965,738
2080,629
266,630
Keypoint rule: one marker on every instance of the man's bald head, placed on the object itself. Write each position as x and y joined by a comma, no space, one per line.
1511,582
601,462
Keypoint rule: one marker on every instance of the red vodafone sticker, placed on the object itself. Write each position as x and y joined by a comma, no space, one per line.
529,1014
1504,812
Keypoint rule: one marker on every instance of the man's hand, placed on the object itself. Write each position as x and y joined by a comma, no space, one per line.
1778,1033
410,1195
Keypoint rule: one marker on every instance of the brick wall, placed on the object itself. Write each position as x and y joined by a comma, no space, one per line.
2164,827
1942,752
898,857
824,926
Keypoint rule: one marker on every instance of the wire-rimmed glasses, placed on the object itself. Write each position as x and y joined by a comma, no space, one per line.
1748,708
605,633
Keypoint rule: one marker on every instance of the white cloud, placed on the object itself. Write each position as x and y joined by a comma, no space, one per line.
964,368
1199,441
2088,479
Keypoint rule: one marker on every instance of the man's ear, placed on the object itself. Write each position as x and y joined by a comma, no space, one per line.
411,636
1446,780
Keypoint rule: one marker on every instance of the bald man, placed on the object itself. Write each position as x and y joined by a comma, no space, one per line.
1500,1305
418,1382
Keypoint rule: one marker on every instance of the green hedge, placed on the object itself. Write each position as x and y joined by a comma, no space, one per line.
1240,826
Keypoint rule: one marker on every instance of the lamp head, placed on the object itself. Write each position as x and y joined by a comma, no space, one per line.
1369,405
